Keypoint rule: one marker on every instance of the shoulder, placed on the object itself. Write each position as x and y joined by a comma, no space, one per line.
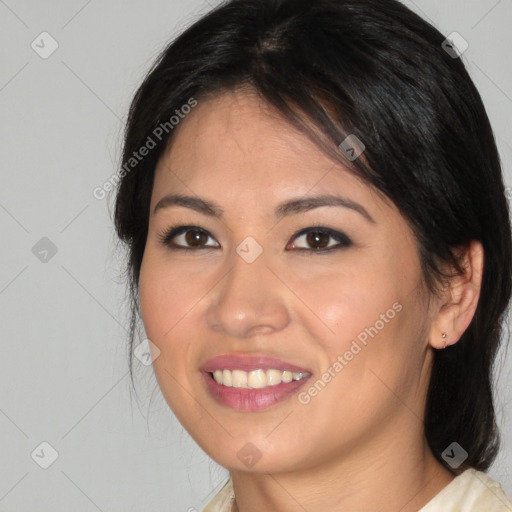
471,491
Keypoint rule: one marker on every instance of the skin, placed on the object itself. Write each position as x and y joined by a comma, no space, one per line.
359,443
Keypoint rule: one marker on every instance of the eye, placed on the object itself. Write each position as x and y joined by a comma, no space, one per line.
317,239
185,237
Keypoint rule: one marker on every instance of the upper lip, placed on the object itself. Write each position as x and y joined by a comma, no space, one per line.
248,363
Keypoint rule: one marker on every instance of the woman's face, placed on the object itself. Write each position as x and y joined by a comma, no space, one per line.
345,305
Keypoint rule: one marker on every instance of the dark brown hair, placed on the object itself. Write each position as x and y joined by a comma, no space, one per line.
375,69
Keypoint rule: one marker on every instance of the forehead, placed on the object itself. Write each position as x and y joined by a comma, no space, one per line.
237,146
239,126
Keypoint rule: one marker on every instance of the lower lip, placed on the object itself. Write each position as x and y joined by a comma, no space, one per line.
251,399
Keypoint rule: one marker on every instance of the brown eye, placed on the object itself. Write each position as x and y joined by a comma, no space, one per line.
195,238
317,240
186,237
320,239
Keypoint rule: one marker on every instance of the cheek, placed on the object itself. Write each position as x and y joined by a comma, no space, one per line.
166,297
153,300
367,338
166,293
365,326
345,300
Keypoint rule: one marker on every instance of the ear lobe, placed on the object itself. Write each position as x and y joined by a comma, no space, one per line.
460,299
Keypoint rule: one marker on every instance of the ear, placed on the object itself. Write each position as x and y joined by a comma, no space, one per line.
459,300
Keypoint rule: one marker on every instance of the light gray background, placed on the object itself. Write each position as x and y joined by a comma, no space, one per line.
63,371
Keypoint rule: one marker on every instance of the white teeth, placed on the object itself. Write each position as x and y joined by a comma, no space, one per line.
226,378
274,377
217,375
255,379
239,378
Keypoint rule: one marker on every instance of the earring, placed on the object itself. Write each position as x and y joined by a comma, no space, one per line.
444,335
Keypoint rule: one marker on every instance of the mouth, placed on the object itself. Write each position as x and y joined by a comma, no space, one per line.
255,379
249,383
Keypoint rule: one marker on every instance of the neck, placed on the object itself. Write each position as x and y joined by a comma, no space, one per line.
385,478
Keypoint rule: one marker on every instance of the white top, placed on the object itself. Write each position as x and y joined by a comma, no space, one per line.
471,491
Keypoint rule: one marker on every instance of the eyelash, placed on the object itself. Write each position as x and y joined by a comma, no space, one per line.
166,237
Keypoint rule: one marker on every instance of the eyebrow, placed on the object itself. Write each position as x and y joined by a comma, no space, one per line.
289,207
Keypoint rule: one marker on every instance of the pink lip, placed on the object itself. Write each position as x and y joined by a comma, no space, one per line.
250,400
248,363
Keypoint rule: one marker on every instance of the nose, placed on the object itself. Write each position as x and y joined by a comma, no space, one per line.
249,300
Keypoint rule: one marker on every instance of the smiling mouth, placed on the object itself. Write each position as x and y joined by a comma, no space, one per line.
253,399
251,382
255,379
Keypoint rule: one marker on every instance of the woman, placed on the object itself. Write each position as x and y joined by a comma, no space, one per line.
320,253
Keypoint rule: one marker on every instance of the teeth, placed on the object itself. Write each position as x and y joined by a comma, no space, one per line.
274,377
287,376
226,378
255,379
238,378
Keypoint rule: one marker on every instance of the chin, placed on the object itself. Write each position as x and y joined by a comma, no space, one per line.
254,455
